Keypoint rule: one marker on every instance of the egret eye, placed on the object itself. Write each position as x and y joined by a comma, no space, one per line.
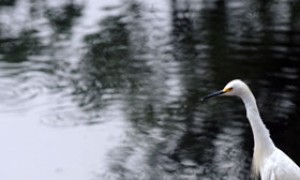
228,89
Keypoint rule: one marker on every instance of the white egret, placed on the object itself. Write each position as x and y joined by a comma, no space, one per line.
269,162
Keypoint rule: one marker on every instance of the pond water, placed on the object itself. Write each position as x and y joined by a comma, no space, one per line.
110,90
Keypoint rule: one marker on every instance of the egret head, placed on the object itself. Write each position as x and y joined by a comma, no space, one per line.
233,88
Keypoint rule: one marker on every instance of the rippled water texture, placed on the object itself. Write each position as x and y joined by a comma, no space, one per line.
110,90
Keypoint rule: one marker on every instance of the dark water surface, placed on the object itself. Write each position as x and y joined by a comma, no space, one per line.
110,90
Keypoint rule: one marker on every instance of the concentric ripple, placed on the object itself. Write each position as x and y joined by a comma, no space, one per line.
21,86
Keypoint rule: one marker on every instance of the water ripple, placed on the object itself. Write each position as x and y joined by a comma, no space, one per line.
20,86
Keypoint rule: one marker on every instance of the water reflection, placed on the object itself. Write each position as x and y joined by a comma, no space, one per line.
125,78
17,49
7,2
62,18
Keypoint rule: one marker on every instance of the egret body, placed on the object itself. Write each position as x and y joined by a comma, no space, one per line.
269,162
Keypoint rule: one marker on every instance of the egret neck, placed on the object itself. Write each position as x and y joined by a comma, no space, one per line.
262,141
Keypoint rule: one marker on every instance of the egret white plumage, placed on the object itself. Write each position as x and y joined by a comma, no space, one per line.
269,162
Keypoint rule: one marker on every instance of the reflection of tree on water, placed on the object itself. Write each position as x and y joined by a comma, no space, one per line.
62,19
110,66
21,37
116,67
199,46
18,49
7,2
205,47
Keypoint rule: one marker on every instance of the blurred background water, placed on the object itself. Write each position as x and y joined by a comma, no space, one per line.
110,90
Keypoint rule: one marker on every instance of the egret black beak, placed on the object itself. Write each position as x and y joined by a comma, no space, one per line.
218,93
